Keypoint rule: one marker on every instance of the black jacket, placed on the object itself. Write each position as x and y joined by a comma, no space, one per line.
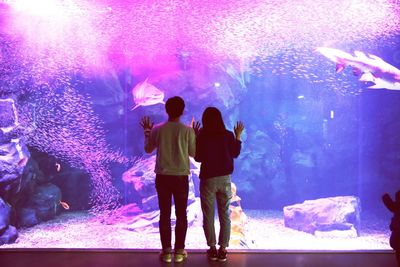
216,153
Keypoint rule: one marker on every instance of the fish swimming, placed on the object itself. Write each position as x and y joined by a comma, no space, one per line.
370,68
64,205
58,166
146,94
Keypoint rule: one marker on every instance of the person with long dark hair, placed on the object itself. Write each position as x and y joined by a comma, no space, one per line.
216,147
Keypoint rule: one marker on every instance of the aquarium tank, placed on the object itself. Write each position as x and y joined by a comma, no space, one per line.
315,82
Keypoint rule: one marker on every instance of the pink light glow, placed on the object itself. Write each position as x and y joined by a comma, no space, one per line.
148,34
42,8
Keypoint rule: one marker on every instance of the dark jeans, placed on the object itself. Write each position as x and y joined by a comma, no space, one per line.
210,189
178,187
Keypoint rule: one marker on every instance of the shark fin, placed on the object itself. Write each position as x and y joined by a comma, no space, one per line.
339,67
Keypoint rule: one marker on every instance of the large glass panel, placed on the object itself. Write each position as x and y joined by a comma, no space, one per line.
316,84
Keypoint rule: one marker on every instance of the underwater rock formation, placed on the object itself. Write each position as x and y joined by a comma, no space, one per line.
9,236
141,177
13,152
8,233
13,157
5,211
24,190
38,199
325,215
238,220
27,217
45,201
75,187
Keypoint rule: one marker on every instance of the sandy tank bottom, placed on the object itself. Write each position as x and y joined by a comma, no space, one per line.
264,231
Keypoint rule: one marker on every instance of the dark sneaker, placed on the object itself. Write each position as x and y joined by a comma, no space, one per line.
212,254
222,254
180,255
166,255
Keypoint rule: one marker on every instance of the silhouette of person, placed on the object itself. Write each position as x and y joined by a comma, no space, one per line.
394,207
216,148
174,142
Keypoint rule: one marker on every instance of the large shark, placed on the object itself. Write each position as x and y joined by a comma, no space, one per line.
146,94
370,67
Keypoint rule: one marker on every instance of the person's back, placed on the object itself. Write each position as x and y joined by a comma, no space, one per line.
216,153
216,148
174,142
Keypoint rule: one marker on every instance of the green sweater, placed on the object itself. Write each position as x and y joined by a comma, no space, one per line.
174,142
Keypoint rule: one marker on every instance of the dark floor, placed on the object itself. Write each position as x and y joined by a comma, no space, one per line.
149,258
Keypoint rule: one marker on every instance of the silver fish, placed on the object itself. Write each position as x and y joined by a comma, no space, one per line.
146,94
370,68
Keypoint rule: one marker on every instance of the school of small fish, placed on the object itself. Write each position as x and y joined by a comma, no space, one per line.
269,35
66,127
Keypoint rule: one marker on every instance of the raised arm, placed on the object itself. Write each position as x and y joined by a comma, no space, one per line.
147,125
238,129
236,144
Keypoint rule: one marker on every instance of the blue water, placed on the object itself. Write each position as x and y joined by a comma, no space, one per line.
307,137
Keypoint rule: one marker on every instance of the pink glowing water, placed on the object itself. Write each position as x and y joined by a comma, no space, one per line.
147,34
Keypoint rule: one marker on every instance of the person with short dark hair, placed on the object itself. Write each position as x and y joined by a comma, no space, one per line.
394,207
216,149
175,143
